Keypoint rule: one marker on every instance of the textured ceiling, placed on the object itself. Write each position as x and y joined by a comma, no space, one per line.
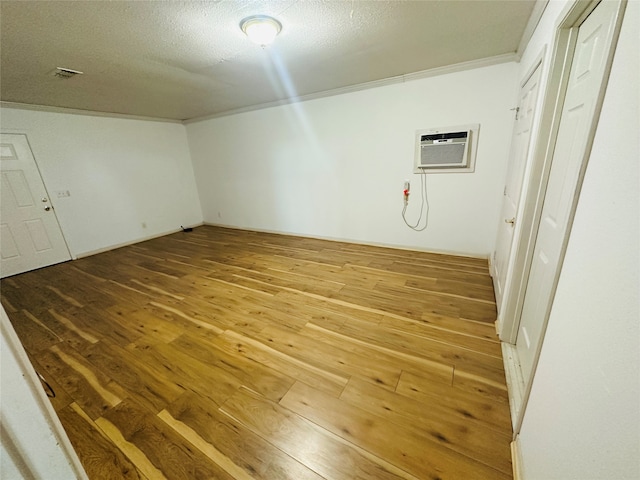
187,59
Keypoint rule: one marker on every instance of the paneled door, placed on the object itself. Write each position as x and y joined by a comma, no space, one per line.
520,141
578,119
30,234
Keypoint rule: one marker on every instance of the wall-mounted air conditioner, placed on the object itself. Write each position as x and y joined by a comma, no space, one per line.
451,149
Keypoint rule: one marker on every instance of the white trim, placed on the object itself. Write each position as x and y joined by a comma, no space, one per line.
510,296
22,131
564,39
516,459
132,242
532,24
75,111
350,241
43,405
53,206
538,62
458,67
492,265
515,381
541,154
51,200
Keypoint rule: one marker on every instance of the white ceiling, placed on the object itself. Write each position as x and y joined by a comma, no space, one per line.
188,59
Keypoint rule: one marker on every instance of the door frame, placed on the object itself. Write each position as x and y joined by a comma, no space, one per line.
503,328
33,454
563,47
14,131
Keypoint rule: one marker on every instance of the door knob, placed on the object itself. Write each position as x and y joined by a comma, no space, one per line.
47,208
512,221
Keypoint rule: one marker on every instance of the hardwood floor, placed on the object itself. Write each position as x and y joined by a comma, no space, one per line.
230,354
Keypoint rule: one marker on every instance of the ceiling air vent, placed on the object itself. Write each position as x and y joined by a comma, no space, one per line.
61,72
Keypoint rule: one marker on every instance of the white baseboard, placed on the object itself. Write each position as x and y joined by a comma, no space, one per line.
516,459
346,240
132,242
515,380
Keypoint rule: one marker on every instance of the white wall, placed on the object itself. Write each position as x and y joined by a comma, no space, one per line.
33,443
583,418
120,173
335,167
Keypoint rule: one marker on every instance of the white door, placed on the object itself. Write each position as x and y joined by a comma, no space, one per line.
527,101
578,117
30,234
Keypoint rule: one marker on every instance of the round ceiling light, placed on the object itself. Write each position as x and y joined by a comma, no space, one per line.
261,29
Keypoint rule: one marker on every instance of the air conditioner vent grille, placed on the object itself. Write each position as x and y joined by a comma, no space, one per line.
444,136
61,72
446,150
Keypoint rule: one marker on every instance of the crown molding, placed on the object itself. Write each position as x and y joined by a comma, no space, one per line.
75,111
433,72
532,24
458,67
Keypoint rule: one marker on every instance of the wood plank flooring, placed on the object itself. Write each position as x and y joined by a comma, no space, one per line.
230,354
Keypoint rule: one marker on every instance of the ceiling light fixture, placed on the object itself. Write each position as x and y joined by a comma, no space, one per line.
261,29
